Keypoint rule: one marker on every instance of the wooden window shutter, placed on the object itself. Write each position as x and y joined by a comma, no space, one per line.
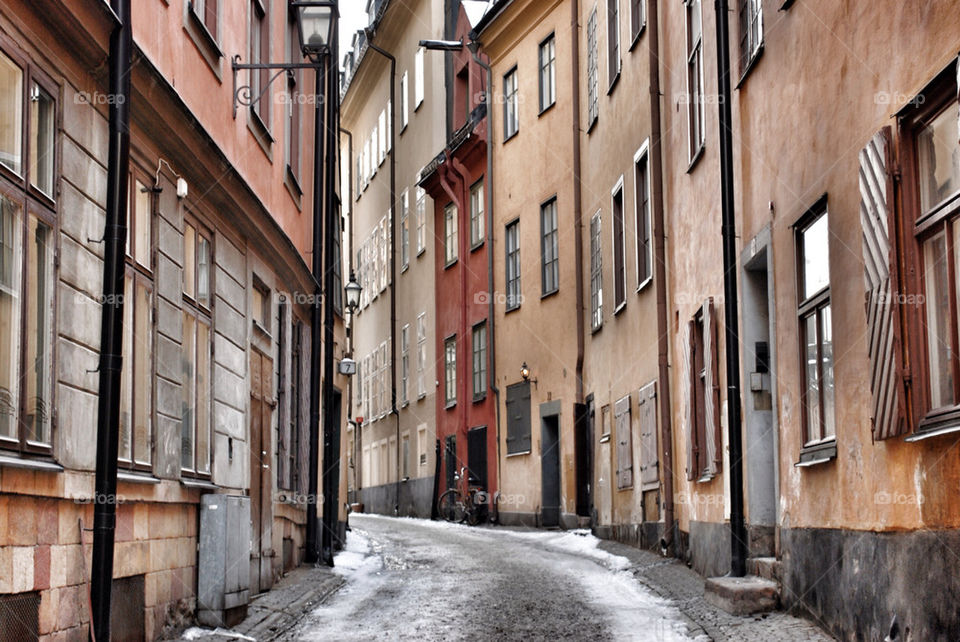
711,394
743,15
624,443
649,456
884,329
302,473
693,445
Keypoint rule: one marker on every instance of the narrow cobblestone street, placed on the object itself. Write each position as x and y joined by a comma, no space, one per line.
415,579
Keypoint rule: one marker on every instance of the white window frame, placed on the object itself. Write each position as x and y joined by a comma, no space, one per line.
404,365
421,220
404,101
421,355
404,230
618,187
418,79
643,153
596,272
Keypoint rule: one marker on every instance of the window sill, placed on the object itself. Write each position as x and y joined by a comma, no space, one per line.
930,432
476,246
604,439
754,58
544,110
450,264
786,5
480,398
198,483
696,158
421,252
595,329
404,268
614,82
450,405
513,309
547,295
205,41
12,461
136,478
518,454
592,124
816,454
507,139
644,284
636,38
620,308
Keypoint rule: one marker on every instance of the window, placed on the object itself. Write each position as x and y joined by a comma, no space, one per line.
642,185
376,151
613,42
549,248
421,220
136,380
260,305
816,332
593,82
512,247
619,250
422,444
930,199
450,224
337,267
404,363
206,12
418,79
476,214
11,108
511,107
294,108
291,440
695,102
421,355
638,19
404,101
480,361
548,72
518,418
450,370
196,265
751,32
704,446
382,140
405,458
27,258
596,274
622,417
405,229
260,54
388,127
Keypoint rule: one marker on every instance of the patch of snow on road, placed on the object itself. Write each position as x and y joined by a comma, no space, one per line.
198,633
352,557
579,542
361,568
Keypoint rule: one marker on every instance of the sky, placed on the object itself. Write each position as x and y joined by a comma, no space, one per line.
353,16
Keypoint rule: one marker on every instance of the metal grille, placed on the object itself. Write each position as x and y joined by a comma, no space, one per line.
19,617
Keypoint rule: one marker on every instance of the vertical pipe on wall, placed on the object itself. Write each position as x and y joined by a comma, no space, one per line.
312,546
111,325
660,275
738,534
577,189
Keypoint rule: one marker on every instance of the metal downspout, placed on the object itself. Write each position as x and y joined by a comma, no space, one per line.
577,190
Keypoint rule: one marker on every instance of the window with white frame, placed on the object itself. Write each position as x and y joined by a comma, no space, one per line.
751,32
511,106
638,19
450,235
613,42
641,175
476,214
421,354
404,363
593,76
479,361
596,273
695,101
512,251
619,248
549,248
404,101
418,79
405,229
382,140
421,220
548,72
450,370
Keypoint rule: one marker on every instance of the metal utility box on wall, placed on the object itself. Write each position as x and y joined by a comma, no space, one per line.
223,588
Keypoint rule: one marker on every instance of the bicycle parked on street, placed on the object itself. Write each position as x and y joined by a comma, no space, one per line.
463,506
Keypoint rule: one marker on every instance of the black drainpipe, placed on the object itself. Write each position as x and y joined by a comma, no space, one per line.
111,325
393,255
738,532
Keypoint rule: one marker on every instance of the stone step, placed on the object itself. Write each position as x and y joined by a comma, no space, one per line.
766,567
742,595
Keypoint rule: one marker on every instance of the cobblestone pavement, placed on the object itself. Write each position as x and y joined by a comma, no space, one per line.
683,586
279,610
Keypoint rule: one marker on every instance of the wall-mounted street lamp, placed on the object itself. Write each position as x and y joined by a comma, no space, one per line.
315,22
353,291
525,373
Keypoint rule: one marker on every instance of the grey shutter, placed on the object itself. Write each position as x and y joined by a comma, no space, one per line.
649,456
302,473
711,393
518,418
880,276
624,443
693,446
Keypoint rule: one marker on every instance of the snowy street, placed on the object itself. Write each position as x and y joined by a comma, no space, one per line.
415,579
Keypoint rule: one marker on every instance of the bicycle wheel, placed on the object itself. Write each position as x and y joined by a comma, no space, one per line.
450,506
473,514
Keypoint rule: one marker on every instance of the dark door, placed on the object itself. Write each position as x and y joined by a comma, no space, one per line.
584,457
450,461
477,457
550,470
261,513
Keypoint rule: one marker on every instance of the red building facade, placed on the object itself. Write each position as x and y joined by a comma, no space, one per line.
456,181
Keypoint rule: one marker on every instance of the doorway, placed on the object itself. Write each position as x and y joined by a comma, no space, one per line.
583,427
262,404
760,422
550,470
450,461
477,457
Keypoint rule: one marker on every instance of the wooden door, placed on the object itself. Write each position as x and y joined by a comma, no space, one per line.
262,404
